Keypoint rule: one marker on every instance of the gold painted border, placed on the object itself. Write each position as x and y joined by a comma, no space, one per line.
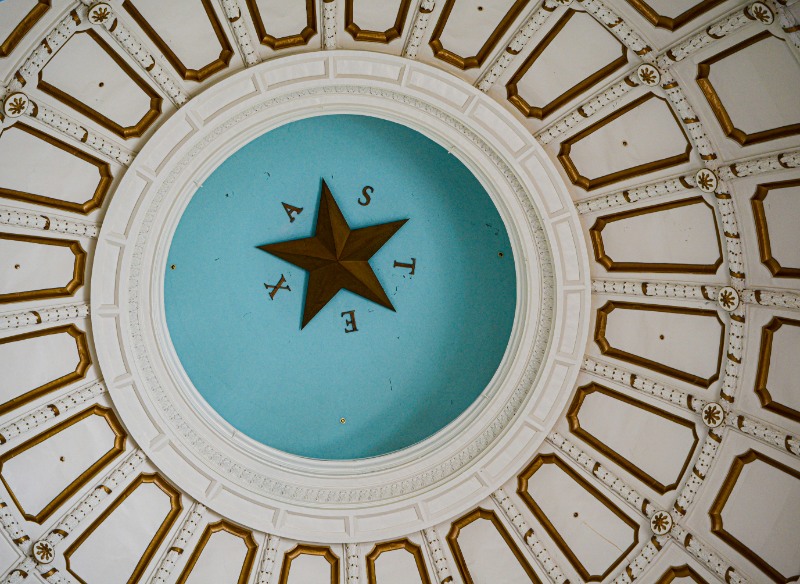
85,208
84,361
715,512
762,229
542,112
764,357
722,115
161,533
376,36
223,525
90,473
596,235
480,513
575,427
607,349
204,72
310,550
69,289
24,27
522,490
483,53
124,132
673,23
684,571
399,544
589,184
294,40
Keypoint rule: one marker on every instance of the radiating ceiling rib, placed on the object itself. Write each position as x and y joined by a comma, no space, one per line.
47,222
417,30
193,519
269,566
233,12
328,24
528,535
518,42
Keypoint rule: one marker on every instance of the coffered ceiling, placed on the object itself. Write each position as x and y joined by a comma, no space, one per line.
675,126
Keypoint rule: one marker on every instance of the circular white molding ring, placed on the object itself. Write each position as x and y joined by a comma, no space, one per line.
340,501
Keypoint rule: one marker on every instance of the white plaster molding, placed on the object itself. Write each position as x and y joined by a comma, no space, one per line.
543,223
418,29
233,12
193,519
47,222
31,317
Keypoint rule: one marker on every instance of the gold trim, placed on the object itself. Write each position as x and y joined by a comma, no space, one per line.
522,490
310,550
596,235
161,533
483,53
722,115
400,544
590,184
480,513
24,27
124,132
542,112
764,356
684,571
218,64
762,229
607,349
278,43
85,208
673,23
715,512
69,289
84,361
575,427
376,36
85,477
222,525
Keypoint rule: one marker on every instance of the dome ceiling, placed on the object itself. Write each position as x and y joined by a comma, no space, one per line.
671,130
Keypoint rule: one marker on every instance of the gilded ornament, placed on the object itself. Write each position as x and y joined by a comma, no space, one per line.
661,523
761,12
43,551
648,75
15,105
728,298
713,415
100,13
706,180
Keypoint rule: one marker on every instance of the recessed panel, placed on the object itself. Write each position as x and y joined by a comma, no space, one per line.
776,206
779,368
225,554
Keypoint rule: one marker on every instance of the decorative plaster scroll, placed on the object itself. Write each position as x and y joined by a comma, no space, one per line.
69,127
588,108
621,29
329,24
421,19
233,11
776,298
721,567
525,531
760,165
193,519
772,436
268,566
628,494
48,222
58,407
78,514
43,315
131,45
352,564
636,194
440,564
75,20
688,117
658,289
518,42
20,571
708,35
639,564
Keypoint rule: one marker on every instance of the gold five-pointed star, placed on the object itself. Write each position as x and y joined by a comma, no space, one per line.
336,257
